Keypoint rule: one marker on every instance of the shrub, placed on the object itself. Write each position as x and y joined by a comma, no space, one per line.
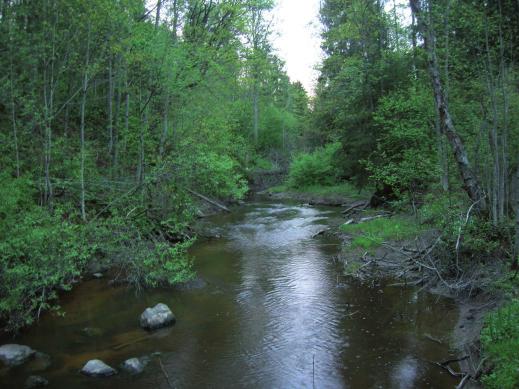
40,253
316,168
500,342
479,237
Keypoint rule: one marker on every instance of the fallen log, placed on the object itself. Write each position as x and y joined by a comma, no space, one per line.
207,199
357,204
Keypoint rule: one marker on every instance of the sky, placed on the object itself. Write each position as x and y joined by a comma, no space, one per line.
296,38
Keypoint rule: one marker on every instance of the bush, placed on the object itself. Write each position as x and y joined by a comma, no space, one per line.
211,173
40,254
405,158
316,168
500,342
479,237
143,260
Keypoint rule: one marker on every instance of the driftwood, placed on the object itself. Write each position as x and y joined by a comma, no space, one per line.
358,204
463,381
368,218
207,199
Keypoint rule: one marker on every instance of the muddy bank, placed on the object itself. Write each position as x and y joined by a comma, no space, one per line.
409,263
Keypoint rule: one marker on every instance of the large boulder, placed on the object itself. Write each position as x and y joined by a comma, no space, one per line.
157,317
97,368
15,354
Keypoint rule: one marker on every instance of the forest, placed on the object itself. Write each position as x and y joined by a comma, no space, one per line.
119,119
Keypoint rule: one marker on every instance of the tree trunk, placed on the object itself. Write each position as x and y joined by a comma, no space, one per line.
255,114
165,125
470,181
82,128
157,15
13,120
110,108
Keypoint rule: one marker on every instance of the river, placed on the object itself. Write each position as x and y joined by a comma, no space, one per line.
276,312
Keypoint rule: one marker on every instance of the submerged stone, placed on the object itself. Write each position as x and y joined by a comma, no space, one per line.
97,368
157,317
35,381
92,332
15,354
40,362
134,365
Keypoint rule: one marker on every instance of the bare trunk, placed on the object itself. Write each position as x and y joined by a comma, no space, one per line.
82,128
470,181
143,128
110,108
157,15
413,42
13,120
164,125
255,119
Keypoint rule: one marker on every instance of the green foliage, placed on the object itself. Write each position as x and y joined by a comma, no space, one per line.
40,253
499,343
479,237
373,233
405,157
315,168
344,189
142,260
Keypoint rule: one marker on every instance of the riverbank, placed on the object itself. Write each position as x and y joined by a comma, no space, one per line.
269,275
379,245
334,195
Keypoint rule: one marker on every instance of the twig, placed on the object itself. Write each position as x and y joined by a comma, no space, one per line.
165,373
458,240
463,381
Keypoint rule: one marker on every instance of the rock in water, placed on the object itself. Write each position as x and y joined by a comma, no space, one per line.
15,354
133,366
157,317
35,381
97,368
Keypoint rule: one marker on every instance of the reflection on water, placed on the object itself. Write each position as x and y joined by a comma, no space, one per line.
271,316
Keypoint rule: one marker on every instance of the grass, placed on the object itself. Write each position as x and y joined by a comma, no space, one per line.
500,342
344,189
373,233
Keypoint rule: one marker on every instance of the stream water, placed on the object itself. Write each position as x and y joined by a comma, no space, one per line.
275,313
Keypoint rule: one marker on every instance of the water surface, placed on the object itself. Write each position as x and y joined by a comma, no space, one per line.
275,313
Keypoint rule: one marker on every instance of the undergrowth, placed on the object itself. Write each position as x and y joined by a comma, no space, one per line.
500,342
372,233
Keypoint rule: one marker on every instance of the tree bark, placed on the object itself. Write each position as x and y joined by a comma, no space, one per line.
470,181
82,128
157,15
110,108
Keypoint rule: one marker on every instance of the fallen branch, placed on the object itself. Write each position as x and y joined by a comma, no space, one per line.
362,204
463,381
368,218
207,199
165,373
